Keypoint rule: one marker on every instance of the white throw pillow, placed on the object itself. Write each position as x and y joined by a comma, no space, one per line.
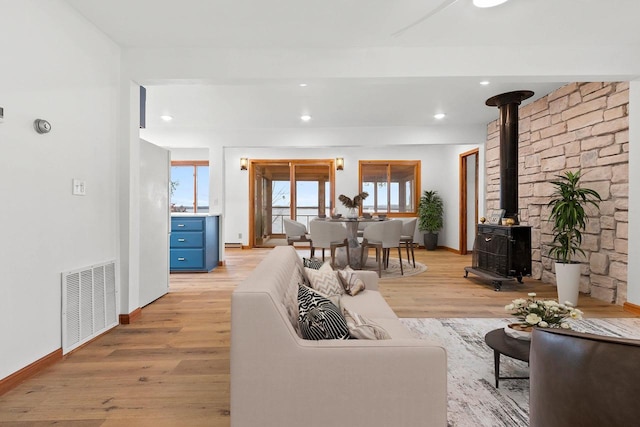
324,280
362,328
351,283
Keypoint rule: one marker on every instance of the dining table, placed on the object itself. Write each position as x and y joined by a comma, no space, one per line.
355,247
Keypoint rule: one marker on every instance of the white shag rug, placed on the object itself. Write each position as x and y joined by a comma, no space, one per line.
473,400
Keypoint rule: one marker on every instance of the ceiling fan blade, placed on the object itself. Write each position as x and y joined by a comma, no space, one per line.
445,4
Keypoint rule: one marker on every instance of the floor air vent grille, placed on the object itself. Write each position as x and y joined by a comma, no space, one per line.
88,304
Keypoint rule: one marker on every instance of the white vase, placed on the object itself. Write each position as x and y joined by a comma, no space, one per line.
352,213
568,282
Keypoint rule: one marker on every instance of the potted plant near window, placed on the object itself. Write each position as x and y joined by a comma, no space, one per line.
569,219
430,218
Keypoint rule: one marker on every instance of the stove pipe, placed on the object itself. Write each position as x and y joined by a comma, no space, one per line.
508,104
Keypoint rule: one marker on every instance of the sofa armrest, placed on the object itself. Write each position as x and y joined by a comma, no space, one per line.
370,279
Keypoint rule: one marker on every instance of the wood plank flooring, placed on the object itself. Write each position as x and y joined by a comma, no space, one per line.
171,366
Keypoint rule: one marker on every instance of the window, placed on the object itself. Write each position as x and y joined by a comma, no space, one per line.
392,186
190,186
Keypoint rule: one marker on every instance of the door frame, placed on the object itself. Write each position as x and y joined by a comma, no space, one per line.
464,165
331,163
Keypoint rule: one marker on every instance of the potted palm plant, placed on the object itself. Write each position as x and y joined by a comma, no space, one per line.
430,218
569,219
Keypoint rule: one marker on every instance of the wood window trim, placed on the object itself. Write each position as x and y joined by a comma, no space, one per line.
292,163
189,162
195,164
417,164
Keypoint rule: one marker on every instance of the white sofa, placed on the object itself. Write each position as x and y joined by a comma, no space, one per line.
279,379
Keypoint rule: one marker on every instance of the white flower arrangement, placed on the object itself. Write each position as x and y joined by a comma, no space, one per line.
543,313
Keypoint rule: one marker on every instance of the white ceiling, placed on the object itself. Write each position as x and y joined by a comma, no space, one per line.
242,25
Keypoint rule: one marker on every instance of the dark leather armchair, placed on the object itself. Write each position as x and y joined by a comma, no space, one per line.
584,380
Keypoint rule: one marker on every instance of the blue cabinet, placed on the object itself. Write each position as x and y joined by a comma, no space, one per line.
194,243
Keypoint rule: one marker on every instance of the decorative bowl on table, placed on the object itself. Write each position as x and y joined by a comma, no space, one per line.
366,215
336,216
382,216
518,331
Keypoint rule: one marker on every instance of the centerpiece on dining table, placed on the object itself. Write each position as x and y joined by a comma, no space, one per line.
353,204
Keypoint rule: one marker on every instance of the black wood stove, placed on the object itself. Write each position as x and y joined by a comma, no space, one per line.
502,253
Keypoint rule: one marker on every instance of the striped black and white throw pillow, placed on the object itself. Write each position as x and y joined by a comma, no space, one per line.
319,318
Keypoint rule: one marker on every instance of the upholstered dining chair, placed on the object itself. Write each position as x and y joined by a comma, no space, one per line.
408,231
328,235
296,232
579,379
383,236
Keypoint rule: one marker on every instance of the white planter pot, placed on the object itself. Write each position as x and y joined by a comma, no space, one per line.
568,282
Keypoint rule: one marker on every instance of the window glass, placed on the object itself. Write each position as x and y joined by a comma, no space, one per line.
189,186
202,185
392,186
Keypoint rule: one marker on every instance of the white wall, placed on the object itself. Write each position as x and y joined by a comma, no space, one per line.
54,66
439,172
230,186
633,289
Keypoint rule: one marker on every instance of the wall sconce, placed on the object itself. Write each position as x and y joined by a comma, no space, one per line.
339,163
244,162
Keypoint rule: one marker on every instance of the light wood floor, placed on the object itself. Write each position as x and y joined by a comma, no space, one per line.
171,367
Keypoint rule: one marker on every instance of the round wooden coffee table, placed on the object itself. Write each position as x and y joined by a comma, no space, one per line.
501,343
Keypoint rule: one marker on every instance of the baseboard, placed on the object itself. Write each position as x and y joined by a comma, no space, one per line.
448,249
631,308
16,378
126,319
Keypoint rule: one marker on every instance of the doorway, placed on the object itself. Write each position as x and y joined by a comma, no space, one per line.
468,200
296,189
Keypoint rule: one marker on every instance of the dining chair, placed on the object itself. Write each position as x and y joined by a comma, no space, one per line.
383,236
328,235
361,226
408,231
296,232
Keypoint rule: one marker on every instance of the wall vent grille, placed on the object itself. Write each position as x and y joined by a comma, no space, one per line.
88,304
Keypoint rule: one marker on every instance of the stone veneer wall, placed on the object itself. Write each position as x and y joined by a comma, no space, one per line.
579,126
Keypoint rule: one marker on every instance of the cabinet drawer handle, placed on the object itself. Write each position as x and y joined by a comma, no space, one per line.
180,259
180,225
181,240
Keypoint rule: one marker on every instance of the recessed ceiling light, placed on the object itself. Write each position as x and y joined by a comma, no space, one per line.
484,82
303,85
305,117
488,3
439,116
166,118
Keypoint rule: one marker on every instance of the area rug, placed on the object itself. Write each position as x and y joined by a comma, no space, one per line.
393,270
473,400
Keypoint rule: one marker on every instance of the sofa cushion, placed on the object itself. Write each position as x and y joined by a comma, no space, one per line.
324,280
363,328
395,329
319,318
351,283
368,303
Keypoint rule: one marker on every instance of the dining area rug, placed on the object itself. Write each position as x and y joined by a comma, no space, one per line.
393,270
473,400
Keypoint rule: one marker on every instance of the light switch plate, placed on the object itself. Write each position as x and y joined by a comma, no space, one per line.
79,187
